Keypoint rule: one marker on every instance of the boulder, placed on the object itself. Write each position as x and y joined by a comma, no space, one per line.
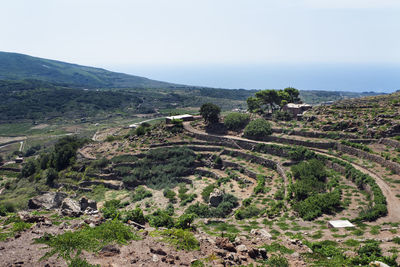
71,208
241,248
87,204
378,264
224,243
50,200
30,218
216,197
109,251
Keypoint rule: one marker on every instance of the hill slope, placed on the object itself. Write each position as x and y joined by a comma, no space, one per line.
15,66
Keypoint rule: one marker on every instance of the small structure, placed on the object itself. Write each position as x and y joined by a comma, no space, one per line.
185,117
19,159
296,109
135,125
340,224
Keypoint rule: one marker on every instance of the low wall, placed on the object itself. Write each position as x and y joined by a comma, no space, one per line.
390,142
395,167
312,134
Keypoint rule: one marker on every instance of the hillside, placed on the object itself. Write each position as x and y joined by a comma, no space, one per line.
15,66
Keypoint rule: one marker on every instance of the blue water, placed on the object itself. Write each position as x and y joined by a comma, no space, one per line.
342,77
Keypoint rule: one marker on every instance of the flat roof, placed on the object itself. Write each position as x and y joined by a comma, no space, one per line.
341,223
293,105
180,117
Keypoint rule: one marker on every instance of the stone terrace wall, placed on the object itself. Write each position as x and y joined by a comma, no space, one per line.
395,167
390,142
313,134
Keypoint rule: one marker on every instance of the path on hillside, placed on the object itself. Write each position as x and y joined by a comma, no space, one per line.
393,202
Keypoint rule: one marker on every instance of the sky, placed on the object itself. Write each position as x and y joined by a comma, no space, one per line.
308,44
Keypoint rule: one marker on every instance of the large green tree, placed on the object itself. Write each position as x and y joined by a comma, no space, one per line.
210,112
271,100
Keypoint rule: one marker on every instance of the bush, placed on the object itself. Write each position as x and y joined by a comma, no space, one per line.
170,195
161,218
180,238
210,112
260,187
229,202
236,121
282,116
162,168
207,191
277,261
185,221
110,209
258,129
140,193
247,212
135,215
70,244
50,176
78,262
28,169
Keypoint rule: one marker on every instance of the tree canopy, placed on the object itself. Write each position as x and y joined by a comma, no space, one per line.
270,100
210,112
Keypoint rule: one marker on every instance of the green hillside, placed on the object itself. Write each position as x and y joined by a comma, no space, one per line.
15,66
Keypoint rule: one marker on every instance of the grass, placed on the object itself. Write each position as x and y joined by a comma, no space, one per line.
276,247
70,244
179,238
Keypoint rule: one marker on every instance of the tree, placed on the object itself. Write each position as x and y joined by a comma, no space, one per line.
258,129
268,98
1,159
293,94
28,169
253,105
210,112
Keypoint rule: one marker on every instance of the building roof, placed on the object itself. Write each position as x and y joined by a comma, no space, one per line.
293,105
341,223
179,117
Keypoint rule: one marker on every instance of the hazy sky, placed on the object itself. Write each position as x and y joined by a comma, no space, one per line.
129,34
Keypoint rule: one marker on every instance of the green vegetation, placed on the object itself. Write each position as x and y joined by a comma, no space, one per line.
179,238
236,121
258,129
210,112
266,101
356,145
162,168
140,193
229,202
70,244
307,193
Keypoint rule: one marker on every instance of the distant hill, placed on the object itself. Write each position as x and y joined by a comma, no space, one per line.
15,66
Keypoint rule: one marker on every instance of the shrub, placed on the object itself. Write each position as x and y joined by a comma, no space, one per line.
282,115
160,218
207,191
170,195
50,176
247,212
28,169
140,193
180,238
260,187
258,129
70,244
78,262
135,215
185,221
229,202
236,121
162,168
110,209
277,261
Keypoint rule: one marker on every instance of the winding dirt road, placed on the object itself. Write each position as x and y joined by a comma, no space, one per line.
393,202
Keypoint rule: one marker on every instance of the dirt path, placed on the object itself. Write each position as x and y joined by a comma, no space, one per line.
393,202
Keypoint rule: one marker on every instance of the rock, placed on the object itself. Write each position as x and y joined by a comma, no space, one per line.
50,200
264,234
30,218
110,251
224,243
71,208
263,253
169,259
155,258
158,251
216,197
241,248
378,264
254,253
87,204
